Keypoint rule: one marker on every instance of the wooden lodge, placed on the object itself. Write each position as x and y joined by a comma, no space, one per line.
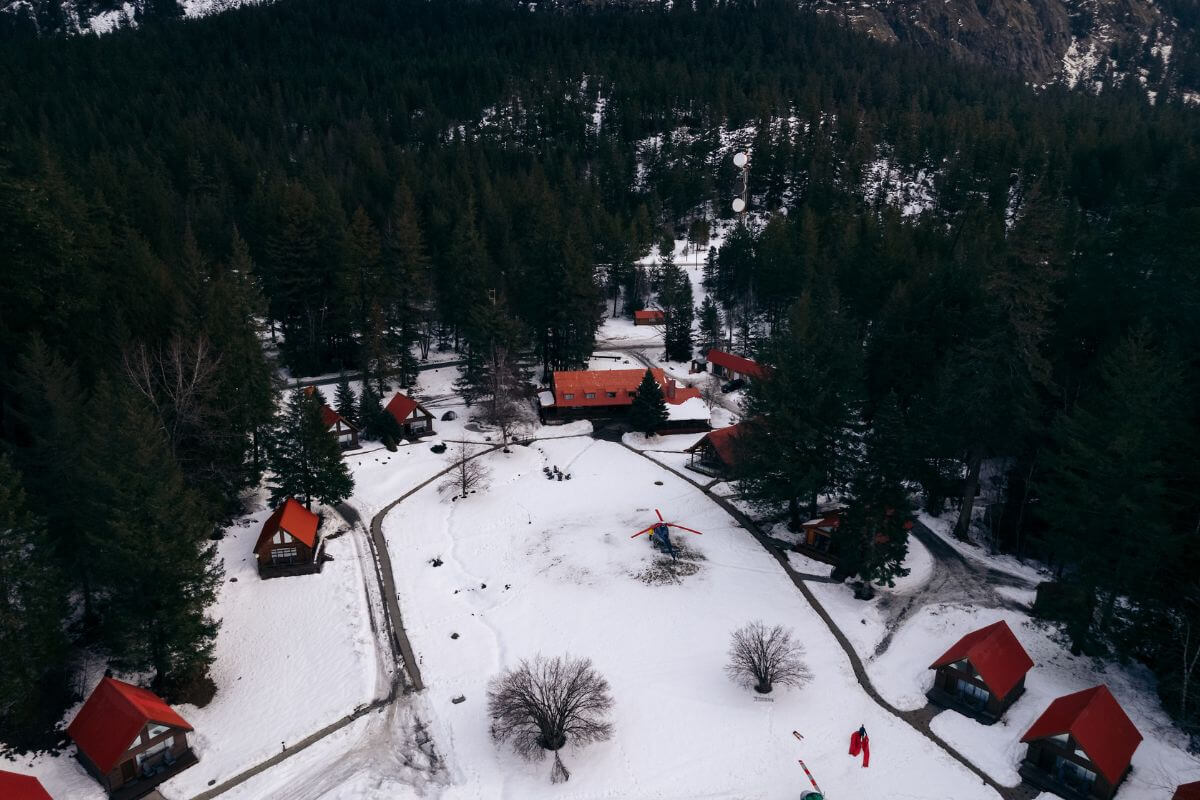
290,542
415,420
982,674
14,786
609,393
649,316
129,739
1081,747
727,366
342,428
818,536
716,455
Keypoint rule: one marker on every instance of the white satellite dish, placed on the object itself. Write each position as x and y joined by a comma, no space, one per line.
740,159
739,205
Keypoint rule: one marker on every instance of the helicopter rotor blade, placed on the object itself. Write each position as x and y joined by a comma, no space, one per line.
639,533
685,528
660,516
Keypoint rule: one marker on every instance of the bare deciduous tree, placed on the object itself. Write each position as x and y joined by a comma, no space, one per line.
468,475
178,382
542,704
760,657
506,407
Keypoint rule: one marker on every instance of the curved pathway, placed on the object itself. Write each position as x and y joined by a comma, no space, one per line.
917,720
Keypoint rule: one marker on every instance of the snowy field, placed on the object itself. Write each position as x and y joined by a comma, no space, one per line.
292,655
533,567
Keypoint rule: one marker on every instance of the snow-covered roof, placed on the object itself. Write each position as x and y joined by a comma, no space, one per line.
691,409
546,398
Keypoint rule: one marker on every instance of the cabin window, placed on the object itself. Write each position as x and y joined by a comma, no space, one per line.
419,424
589,395
1076,776
974,695
568,396
156,730
610,394
284,554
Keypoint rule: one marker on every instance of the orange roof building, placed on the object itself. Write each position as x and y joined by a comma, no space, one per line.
126,734
1082,743
413,418
716,453
590,394
982,674
727,365
649,316
14,786
290,542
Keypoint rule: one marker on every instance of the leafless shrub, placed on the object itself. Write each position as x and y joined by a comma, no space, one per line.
760,657
542,704
467,475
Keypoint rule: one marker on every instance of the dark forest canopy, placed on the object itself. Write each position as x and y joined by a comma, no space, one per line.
358,180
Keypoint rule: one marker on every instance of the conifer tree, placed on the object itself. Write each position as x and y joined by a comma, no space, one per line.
305,458
648,413
32,610
675,297
344,401
710,325
156,561
370,408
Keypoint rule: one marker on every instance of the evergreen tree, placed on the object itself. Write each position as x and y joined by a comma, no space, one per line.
675,297
305,458
32,608
156,561
648,413
370,409
711,331
344,401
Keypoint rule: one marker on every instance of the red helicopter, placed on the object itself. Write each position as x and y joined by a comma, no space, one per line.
660,533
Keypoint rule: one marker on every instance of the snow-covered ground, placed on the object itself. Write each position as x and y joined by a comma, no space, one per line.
292,655
532,566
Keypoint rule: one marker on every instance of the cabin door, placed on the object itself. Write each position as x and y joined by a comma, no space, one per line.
128,771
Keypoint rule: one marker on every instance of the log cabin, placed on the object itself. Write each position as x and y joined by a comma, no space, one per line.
343,429
129,739
414,419
1081,747
716,455
290,542
14,786
982,674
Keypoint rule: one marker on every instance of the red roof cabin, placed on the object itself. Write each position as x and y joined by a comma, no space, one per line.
728,366
608,393
1188,791
982,674
1081,746
818,536
14,786
649,316
290,542
414,419
716,453
345,430
129,739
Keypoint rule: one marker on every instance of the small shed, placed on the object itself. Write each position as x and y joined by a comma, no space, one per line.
14,786
414,419
290,542
715,454
1188,791
982,674
1081,747
649,316
816,535
127,735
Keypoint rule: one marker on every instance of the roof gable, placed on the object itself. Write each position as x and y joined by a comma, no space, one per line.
113,717
1097,722
14,786
402,406
293,518
736,363
995,654
722,441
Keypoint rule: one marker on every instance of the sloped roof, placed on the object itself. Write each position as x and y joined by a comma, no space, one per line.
21,787
295,519
328,415
649,314
624,382
401,406
995,654
1188,791
736,363
722,441
113,717
1097,722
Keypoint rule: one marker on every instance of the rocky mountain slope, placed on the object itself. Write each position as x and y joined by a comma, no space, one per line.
1094,44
